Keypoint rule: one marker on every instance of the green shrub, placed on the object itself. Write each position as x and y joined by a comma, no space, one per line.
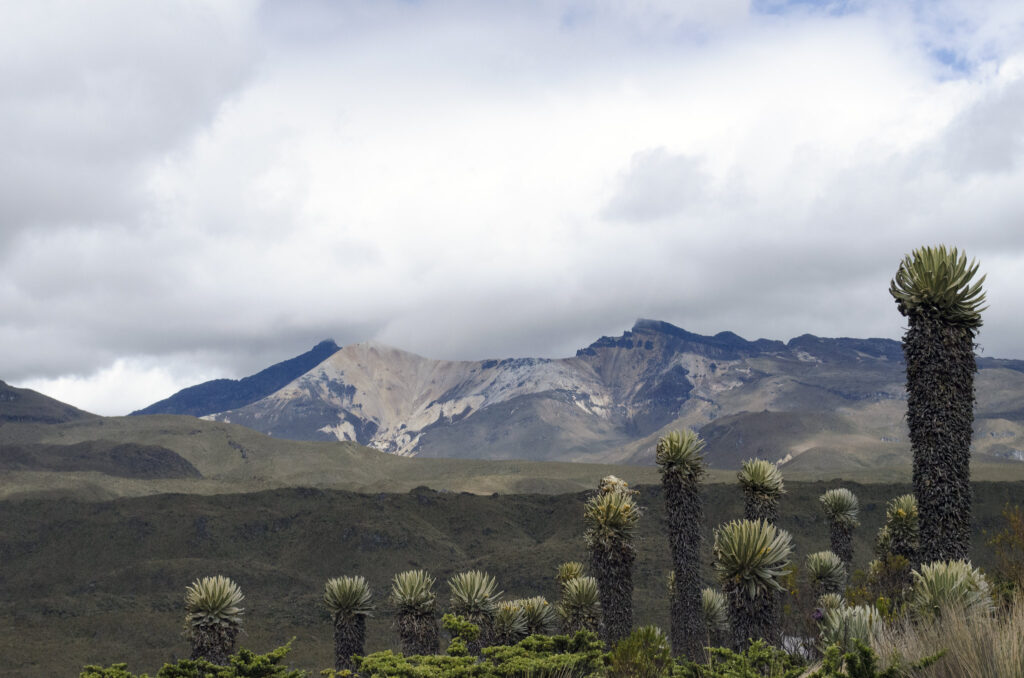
759,660
562,656
862,662
244,664
578,656
644,653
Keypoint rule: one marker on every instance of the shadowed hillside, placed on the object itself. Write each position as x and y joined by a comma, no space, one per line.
23,405
103,581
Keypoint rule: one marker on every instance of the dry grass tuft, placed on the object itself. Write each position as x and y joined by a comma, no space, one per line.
976,645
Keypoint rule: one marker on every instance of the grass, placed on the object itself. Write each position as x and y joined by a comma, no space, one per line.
976,646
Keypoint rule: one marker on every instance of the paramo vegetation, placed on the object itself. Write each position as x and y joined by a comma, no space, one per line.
920,609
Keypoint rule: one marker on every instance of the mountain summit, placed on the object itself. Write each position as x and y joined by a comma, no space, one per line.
816,400
227,394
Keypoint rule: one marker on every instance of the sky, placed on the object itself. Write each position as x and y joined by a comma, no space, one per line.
201,188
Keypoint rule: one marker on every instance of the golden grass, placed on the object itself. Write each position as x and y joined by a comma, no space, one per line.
976,645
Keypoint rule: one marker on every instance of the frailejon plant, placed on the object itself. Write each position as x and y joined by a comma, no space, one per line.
508,626
841,509
826,573
762,485
611,516
935,290
213,617
896,549
474,596
348,601
568,570
580,607
844,625
412,594
682,466
944,585
750,558
539,615
901,534
715,612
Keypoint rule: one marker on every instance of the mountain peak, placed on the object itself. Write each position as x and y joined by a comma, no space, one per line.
325,345
227,394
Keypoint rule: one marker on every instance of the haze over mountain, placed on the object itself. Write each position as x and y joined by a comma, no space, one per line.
810,402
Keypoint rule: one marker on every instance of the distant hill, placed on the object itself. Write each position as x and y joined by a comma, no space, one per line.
123,460
838,398
26,406
227,394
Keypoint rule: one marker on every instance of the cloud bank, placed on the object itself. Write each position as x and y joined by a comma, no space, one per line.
195,190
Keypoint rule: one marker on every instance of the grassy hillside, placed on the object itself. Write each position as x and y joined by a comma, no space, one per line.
103,581
233,459
102,458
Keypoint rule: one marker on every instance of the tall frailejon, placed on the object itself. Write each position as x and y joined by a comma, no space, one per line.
936,291
611,515
682,467
348,600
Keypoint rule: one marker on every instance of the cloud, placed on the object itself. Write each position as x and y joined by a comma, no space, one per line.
475,180
92,92
658,184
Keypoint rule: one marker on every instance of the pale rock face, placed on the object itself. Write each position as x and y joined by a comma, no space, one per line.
613,400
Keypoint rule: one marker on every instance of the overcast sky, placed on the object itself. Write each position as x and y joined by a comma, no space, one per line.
191,189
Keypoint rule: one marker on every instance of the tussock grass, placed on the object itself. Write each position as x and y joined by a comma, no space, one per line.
976,645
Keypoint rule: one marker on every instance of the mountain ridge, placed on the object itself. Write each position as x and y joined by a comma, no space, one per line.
227,394
610,401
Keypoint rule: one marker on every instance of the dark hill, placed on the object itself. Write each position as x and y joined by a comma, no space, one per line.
123,460
220,395
23,405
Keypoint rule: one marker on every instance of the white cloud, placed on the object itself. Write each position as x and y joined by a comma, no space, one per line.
119,388
471,180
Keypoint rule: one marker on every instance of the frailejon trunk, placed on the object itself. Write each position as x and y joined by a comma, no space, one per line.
940,415
753,618
841,541
613,569
213,643
349,639
418,633
578,620
761,507
685,515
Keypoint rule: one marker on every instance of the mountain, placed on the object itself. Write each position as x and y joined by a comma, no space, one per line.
811,402
23,405
227,394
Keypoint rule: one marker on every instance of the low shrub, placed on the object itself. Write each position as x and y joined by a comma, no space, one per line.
244,664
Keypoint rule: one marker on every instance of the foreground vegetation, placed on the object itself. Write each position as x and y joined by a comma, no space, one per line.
944,619
120,597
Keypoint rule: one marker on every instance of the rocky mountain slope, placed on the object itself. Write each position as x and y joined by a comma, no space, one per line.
227,394
811,402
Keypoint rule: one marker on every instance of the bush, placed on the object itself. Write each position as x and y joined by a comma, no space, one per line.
244,664
577,656
759,660
644,653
